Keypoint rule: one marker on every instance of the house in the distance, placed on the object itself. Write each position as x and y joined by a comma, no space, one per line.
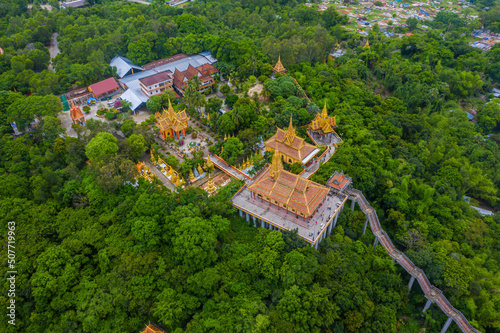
156,84
164,74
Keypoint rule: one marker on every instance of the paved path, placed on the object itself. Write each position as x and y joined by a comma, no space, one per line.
224,167
53,49
158,174
432,293
331,150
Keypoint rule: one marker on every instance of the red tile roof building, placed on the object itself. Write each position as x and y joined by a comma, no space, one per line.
104,88
291,148
288,191
156,84
204,72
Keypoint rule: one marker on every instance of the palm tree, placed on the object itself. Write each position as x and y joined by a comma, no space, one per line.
253,62
236,117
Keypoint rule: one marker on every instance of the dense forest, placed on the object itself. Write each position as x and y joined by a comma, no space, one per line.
95,254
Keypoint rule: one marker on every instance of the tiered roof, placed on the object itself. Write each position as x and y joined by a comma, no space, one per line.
171,120
288,143
76,113
203,72
152,328
322,122
279,67
291,190
339,181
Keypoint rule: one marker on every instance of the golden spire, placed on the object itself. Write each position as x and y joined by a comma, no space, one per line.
174,178
179,182
191,176
324,113
367,44
209,163
225,136
210,188
208,117
200,170
290,133
276,165
248,161
170,112
279,67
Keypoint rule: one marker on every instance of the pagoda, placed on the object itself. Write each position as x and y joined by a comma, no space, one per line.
210,188
279,67
290,147
152,328
76,115
172,124
209,164
323,124
284,190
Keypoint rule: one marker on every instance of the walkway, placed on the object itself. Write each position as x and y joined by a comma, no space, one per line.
158,174
226,168
310,170
53,49
433,294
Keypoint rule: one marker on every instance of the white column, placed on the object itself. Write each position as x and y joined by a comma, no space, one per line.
364,226
446,325
335,220
411,283
353,203
376,242
248,217
241,212
427,305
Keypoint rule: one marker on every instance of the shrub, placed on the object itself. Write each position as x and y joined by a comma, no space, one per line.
86,109
194,136
225,89
110,115
263,78
189,130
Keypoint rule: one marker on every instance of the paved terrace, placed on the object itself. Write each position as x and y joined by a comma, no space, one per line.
280,219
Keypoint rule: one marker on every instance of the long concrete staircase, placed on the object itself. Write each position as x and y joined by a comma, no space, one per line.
433,294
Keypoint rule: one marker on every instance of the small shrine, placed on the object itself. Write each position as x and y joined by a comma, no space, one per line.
290,147
323,125
76,115
278,68
172,124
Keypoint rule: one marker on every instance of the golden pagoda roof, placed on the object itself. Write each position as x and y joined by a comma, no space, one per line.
322,122
75,112
152,328
169,119
210,185
209,163
289,144
279,67
291,190
200,170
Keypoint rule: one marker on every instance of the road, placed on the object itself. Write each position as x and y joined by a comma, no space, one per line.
53,49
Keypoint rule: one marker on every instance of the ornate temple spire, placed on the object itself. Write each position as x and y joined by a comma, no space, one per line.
290,133
170,112
324,113
210,188
209,163
279,67
276,165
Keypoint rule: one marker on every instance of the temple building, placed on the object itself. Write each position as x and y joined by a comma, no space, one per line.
172,124
204,72
290,147
76,115
282,189
280,200
323,125
152,328
278,68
